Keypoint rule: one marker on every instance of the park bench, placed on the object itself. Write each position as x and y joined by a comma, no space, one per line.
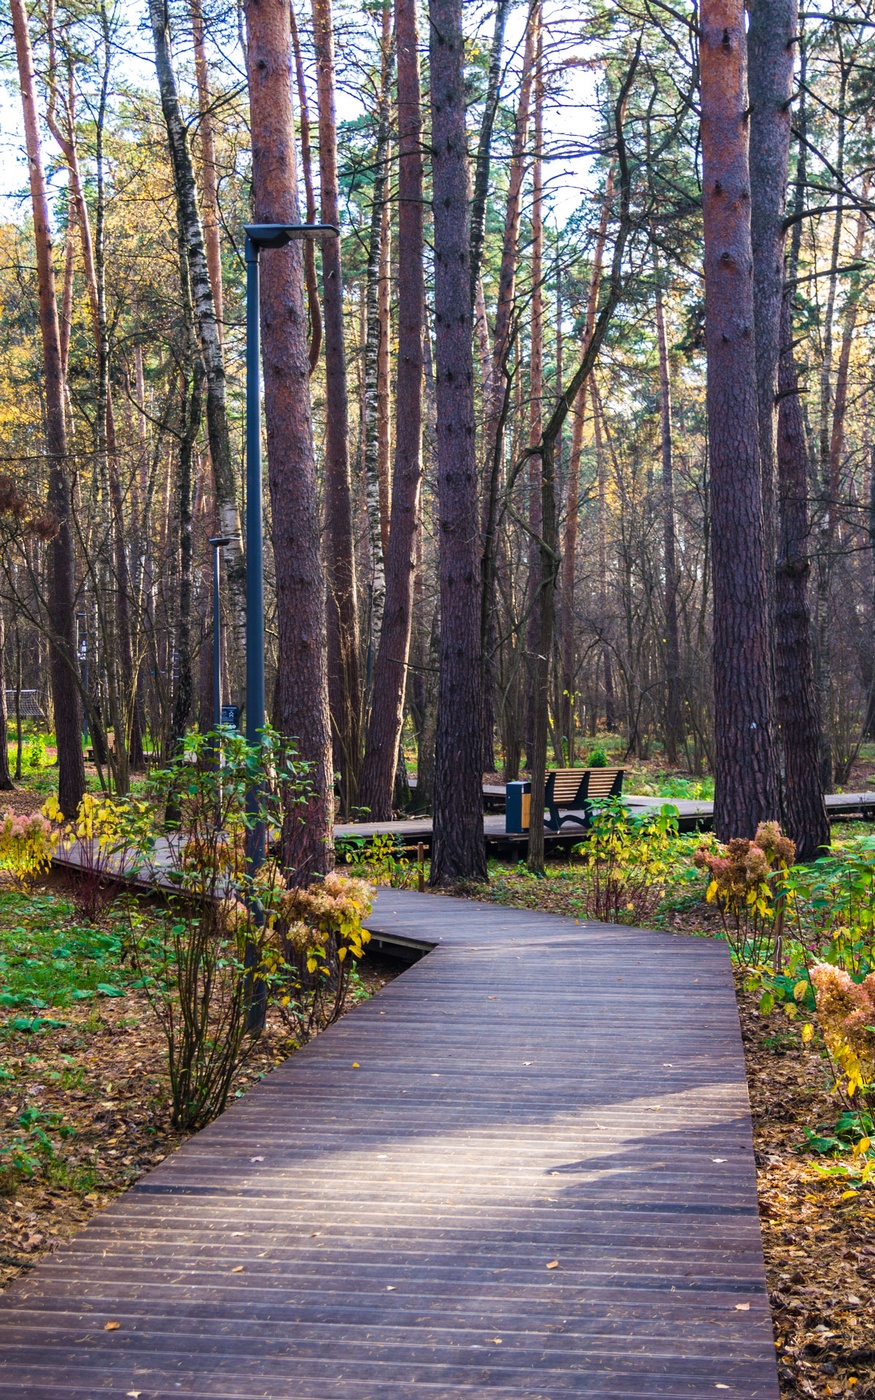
569,795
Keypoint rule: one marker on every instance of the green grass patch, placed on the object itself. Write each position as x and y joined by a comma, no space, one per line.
48,961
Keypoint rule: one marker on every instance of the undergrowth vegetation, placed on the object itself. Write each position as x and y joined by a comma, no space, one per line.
230,936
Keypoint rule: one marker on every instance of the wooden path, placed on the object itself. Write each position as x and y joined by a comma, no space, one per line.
523,1169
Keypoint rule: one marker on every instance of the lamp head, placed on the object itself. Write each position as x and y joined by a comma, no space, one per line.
219,540
278,235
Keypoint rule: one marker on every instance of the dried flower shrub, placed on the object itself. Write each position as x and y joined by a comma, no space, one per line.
846,1013
744,885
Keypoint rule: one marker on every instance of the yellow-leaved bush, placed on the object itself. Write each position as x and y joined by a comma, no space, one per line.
327,917
27,844
110,838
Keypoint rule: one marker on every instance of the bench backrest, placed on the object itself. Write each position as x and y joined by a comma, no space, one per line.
601,783
567,781
566,784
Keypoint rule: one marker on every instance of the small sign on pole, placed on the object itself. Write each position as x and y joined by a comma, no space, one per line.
230,715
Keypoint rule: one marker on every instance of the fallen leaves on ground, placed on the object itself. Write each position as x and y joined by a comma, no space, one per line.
103,1076
819,1249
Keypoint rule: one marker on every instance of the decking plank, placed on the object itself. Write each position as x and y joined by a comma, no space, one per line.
515,1103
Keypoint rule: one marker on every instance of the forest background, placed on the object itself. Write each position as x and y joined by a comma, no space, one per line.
523,270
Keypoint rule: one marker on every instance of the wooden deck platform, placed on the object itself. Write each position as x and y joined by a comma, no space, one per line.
523,1169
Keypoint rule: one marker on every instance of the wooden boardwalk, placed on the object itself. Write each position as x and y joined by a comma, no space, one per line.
693,815
523,1169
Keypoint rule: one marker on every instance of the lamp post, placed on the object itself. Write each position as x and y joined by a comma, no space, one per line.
259,236
83,671
218,543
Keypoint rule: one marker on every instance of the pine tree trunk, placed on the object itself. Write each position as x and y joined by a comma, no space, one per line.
387,707
602,555
572,490
549,561
303,682
459,851
745,768
536,392
6,783
796,706
344,681
673,731
771,44
828,506
61,600
314,309
484,144
869,724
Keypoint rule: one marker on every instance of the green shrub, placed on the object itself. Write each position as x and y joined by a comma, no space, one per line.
228,942
627,858
597,758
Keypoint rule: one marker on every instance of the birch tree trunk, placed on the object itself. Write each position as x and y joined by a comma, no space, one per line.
61,605
303,681
376,349
390,672
185,192
746,789
458,851
344,681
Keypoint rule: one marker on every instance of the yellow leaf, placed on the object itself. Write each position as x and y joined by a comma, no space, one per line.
800,990
553,1264
356,1065
807,1034
111,1326
849,1195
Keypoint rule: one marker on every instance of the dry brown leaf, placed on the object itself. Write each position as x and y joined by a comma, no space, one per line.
553,1264
238,1269
111,1326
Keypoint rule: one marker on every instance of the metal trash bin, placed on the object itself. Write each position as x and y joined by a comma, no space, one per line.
517,807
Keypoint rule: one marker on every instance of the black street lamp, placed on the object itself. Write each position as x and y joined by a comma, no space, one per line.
218,542
259,236
83,671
